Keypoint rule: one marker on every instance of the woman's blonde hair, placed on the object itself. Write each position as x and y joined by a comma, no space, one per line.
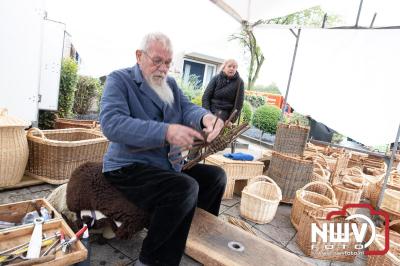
227,61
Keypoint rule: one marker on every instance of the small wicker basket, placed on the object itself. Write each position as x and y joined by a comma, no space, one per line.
348,192
308,198
55,154
290,173
260,200
291,139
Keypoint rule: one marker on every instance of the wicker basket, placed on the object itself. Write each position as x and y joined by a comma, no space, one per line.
291,139
13,149
61,123
55,154
320,174
260,200
391,200
290,173
390,258
347,192
393,183
309,198
317,249
235,170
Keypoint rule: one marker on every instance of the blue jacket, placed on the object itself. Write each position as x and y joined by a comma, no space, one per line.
134,118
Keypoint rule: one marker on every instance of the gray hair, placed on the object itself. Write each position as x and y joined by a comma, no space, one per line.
226,62
156,37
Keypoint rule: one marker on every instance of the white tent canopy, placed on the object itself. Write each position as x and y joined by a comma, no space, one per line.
349,80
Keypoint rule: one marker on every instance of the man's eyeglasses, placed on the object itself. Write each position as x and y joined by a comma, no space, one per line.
157,61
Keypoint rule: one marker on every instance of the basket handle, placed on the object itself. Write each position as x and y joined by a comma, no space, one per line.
349,182
333,196
261,178
31,130
321,168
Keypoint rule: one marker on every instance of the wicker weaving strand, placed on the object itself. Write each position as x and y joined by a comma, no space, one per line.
225,137
241,224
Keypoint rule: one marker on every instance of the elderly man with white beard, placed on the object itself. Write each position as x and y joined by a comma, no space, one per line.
146,116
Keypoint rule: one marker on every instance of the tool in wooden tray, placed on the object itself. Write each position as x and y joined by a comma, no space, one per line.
36,239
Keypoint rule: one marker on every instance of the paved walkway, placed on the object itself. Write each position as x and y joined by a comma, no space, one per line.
116,252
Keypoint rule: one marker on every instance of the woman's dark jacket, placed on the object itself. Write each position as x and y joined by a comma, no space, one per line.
221,94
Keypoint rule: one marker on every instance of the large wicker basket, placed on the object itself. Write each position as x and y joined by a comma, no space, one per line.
61,123
290,174
260,200
291,139
308,198
393,183
235,170
318,249
55,154
13,149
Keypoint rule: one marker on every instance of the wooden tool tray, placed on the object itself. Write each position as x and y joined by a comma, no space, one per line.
14,212
16,236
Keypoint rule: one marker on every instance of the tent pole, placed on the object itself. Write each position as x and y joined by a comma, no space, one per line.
394,150
291,72
358,14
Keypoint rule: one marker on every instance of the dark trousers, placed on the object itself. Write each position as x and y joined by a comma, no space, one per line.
171,199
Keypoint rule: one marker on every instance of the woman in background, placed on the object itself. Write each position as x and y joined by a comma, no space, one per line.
225,92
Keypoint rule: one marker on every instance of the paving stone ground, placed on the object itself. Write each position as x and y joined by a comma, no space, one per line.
116,252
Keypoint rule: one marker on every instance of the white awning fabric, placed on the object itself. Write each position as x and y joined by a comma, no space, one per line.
349,80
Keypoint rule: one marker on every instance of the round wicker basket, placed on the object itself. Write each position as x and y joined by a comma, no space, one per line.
310,197
13,149
260,200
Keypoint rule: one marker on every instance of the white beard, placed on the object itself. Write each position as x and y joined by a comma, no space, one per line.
163,90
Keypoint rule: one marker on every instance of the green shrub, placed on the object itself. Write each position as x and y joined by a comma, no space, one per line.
46,119
197,100
191,88
255,101
86,92
246,113
266,118
68,80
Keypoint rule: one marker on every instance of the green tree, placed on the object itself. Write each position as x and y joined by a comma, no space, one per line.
271,88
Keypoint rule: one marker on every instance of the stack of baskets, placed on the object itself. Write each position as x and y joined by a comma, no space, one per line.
13,149
55,154
290,173
318,248
291,139
260,200
310,197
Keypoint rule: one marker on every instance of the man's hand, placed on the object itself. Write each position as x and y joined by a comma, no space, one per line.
181,135
211,127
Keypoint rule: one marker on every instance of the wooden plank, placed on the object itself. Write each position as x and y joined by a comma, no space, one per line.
18,236
208,243
25,182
